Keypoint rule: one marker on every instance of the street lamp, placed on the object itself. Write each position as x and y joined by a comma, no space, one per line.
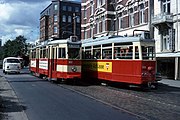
114,4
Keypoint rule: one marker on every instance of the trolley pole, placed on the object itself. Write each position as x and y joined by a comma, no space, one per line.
74,17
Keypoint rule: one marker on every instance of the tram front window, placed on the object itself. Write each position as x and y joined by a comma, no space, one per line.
148,52
74,53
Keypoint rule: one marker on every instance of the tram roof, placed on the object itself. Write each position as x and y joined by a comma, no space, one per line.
52,42
113,39
63,41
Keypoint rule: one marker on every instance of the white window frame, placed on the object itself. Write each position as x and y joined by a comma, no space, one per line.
165,4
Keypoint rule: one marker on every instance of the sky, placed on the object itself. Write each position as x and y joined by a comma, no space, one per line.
21,17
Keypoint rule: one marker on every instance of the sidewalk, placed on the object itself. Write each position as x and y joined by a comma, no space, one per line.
11,107
169,82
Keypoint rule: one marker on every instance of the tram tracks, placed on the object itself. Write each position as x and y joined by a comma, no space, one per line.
144,105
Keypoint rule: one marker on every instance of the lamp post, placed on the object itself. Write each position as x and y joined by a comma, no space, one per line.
114,4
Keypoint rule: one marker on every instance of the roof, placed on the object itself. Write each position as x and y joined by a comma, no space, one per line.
112,39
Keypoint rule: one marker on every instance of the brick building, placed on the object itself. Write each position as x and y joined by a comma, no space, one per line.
115,17
61,19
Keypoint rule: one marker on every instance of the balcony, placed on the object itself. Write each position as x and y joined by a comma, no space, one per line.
162,18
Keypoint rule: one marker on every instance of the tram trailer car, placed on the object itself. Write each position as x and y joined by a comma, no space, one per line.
128,60
57,59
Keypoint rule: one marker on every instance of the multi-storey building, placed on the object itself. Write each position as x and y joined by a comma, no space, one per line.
167,35
61,19
115,17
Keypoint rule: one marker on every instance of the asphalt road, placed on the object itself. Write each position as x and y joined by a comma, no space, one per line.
43,100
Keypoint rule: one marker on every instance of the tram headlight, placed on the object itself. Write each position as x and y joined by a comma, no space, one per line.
74,68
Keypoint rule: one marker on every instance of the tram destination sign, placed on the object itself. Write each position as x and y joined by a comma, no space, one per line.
74,46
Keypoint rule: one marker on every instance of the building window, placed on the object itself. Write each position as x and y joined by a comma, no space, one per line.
92,9
131,17
131,20
91,30
55,29
97,25
85,33
55,7
55,18
64,18
103,2
103,23
69,8
69,19
166,6
64,8
85,12
141,16
165,40
77,9
78,19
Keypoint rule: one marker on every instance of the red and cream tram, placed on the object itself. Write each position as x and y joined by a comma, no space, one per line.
56,59
120,59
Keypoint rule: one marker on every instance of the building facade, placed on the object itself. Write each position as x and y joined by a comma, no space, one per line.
60,20
166,22
115,17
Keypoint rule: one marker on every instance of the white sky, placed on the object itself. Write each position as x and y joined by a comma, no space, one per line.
21,17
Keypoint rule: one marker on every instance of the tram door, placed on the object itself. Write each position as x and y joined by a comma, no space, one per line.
37,61
53,62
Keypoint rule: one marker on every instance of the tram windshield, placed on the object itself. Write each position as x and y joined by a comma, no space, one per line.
74,53
148,52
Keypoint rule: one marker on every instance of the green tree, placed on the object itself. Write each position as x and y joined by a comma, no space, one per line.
16,47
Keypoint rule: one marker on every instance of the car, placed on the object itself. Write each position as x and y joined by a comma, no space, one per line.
11,64
158,76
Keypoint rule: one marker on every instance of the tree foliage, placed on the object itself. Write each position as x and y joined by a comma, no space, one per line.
14,48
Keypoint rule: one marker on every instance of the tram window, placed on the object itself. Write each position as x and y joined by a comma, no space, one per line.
74,53
129,52
44,53
107,53
117,53
33,54
61,53
87,54
37,55
148,52
96,54
123,52
136,52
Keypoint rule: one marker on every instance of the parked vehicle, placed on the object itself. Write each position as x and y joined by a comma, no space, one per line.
158,76
21,61
11,65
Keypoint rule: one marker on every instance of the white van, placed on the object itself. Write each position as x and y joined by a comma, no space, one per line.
11,65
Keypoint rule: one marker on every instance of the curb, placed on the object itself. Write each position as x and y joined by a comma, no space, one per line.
13,109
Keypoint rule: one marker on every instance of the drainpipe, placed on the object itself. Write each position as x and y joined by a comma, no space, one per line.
176,41
150,14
